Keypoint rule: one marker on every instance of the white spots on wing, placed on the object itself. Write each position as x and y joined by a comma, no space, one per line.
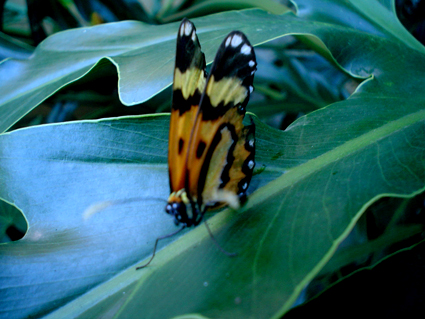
228,41
251,164
194,37
251,88
245,186
236,40
188,28
246,49
181,30
251,63
251,143
252,72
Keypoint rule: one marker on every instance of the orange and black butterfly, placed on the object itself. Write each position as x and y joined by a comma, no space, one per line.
210,152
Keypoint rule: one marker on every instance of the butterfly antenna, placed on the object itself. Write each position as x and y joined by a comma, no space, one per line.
217,244
100,206
156,244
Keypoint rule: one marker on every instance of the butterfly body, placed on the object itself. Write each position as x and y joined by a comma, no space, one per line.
211,152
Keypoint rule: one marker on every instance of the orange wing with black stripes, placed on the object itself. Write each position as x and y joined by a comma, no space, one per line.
188,85
211,152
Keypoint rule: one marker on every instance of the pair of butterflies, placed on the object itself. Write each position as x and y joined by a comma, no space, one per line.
210,152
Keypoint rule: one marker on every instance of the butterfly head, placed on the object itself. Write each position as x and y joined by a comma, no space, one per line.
184,210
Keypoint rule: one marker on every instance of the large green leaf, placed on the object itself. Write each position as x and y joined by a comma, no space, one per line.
143,54
336,161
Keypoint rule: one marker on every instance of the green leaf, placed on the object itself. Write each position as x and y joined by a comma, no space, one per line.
211,6
143,55
313,183
375,17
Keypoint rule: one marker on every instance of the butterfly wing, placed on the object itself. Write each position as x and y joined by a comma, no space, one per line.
221,150
189,83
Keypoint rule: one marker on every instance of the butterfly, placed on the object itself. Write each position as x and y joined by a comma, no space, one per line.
210,151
